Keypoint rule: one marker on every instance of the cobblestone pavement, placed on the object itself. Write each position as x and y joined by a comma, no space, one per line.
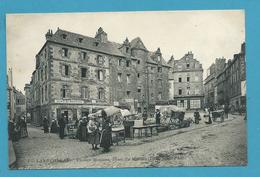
199,145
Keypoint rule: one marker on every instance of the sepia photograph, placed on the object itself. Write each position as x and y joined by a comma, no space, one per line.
143,89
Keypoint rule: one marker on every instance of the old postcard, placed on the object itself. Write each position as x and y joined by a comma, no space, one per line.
126,89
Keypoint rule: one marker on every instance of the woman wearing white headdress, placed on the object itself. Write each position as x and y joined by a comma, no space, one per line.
93,130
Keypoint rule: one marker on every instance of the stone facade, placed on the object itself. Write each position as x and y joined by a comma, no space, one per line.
77,75
187,75
212,93
228,79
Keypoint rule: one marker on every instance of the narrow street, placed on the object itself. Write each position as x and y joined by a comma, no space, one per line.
199,145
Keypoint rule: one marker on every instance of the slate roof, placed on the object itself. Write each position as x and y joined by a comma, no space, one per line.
112,48
87,42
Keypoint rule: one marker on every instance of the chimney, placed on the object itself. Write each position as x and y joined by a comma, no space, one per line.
48,35
101,35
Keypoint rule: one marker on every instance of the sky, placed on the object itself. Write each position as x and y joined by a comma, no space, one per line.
208,34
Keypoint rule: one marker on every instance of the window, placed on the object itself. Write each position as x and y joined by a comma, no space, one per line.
101,94
152,68
96,43
66,70
64,36
187,65
180,79
188,90
188,79
84,72
83,55
195,104
64,91
159,95
139,90
138,61
158,58
128,62
159,69
197,91
64,52
179,67
42,74
128,93
99,59
127,49
152,97
45,53
180,91
120,62
42,95
46,72
85,92
100,75
128,78
119,77
46,92
160,82
138,75
80,40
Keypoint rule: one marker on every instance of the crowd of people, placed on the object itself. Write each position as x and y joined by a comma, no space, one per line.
17,129
88,128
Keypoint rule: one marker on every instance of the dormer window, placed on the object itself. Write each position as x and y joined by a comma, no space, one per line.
80,40
96,43
127,49
158,58
64,36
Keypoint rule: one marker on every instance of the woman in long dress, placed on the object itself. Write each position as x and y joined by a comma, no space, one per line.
93,132
24,132
106,134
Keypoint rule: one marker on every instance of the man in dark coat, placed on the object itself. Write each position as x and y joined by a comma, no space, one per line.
158,117
106,134
226,110
62,126
45,125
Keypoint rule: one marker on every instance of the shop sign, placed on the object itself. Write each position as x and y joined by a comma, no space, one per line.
69,101
129,100
116,103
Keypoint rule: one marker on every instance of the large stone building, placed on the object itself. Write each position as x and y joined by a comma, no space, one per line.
231,82
210,83
226,82
76,75
186,79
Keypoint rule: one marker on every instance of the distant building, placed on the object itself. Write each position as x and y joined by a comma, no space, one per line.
213,94
187,82
19,103
226,82
233,81
76,75
15,99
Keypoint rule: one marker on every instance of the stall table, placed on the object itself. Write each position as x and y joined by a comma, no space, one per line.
117,131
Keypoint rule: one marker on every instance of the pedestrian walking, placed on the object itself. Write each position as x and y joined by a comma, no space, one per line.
54,126
61,123
83,129
93,132
157,117
11,130
66,121
45,125
208,115
106,134
197,117
226,110
24,132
